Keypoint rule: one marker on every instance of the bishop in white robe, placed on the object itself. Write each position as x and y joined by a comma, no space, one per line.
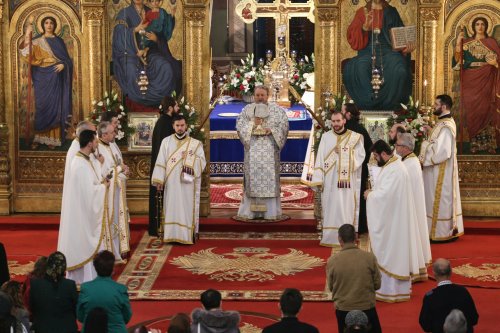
177,172
113,169
263,137
391,220
438,155
337,174
404,146
83,217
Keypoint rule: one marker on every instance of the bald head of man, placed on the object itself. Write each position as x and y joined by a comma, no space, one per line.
84,126
441,269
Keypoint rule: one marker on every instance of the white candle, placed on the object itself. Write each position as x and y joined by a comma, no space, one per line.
425,92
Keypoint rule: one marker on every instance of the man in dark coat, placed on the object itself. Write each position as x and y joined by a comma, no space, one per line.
290,305
352,115
440,301
163,128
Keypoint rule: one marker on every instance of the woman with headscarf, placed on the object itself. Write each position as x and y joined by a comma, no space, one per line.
53,299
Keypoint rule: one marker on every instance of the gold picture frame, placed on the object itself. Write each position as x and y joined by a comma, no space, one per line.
375,123
143,123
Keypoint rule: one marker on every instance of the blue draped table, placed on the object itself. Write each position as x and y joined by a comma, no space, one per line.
226,150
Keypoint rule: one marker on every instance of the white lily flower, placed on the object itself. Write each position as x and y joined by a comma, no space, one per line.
307,58
119,116
416,104
94,102
100,103
182,100
189,130
98,119
123,113
120,135
242,62
115,97
202,130
186,107
107,101
403,106
105,94
334,102
328,123
122,108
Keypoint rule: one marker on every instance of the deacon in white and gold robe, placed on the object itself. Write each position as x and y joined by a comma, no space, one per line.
438,155
118,215
338,176
83,219
178,168
391,214
261,188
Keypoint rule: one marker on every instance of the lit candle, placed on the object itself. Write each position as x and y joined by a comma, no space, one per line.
425,92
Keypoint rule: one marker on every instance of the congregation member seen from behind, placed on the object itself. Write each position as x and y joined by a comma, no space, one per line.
290,305
440,301
106,293
212,318
353,276
53,299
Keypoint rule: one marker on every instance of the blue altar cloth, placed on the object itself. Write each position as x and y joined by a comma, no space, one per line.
226,150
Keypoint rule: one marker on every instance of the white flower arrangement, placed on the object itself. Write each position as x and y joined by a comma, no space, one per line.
245,78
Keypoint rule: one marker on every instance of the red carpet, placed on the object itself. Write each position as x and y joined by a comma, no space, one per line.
292,196
241,266
26,237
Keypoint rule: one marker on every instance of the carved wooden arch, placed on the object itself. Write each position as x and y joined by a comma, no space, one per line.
454,20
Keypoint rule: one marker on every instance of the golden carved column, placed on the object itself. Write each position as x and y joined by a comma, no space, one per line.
429,17
5,178
196,76
325,49
93,25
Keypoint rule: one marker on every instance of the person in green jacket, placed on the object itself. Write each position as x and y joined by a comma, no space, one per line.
105,293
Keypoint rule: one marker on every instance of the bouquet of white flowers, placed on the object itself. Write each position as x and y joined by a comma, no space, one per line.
245,78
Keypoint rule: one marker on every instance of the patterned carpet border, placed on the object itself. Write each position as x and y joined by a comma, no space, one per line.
295,197
145,265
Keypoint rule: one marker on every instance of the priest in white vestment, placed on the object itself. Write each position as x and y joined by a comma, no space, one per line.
114,169
83,217
438,156
177,173
72,151
337,173
391,214
404,146
263,130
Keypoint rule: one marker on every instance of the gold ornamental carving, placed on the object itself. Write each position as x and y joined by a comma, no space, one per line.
93,13
139,165
47,168
196,15
479,171
246,264
489,272
430,14
327,14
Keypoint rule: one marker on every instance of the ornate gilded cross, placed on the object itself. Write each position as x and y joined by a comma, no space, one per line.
280,10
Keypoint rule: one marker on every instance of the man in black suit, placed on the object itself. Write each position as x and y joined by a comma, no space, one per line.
290,304
447,296
353,116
